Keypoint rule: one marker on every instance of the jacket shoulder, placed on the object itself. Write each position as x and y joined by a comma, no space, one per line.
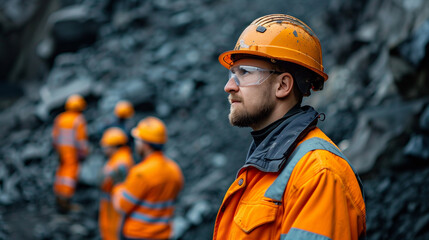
319,162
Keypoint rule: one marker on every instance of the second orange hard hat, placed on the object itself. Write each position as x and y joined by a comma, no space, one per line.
75,103
124,109
113,137
151,130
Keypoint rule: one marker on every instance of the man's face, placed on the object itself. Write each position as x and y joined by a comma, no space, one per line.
253,104
138,146
108,151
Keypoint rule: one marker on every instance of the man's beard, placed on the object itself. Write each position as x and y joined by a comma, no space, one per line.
243,118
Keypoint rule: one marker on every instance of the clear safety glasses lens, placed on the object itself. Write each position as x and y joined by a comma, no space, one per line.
249,75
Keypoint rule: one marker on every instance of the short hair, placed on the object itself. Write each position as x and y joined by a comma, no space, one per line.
156,147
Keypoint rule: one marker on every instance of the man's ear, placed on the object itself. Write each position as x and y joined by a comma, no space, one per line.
285,85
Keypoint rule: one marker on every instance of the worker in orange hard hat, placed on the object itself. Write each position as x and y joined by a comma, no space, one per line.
147,196
295,182
123,112
71,142
124,109
114,144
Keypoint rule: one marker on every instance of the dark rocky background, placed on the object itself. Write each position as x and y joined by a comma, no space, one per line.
162,56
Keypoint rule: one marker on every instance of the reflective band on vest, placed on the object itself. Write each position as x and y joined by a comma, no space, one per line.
105,196
146,218
147,204
278,187
299,234
66,137
65,181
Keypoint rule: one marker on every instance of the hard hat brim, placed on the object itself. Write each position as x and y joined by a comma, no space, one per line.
226,61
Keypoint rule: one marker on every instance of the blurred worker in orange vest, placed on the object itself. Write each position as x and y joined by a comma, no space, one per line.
71,142
123,112
114,143
295,182
147,196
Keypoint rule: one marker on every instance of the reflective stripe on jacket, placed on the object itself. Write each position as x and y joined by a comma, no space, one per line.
319,197
109,219
147,197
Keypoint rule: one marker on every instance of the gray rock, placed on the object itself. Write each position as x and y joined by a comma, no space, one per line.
73,27
137,91
165,51
33,153
422,224
163,109
198,211
10,191
7,123
424,119
367,32
181,93
376,127
126,15
180,226
414,49
418,147
16,13
90,171
79,231
383,186
219,160
206,183
56,98
182,19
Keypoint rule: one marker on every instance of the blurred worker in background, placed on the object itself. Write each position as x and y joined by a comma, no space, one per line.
295,182
147,196
71,142
123,112
114,144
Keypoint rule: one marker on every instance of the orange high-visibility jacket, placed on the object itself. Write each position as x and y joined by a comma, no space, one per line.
109,219
313,195
147,197
71,142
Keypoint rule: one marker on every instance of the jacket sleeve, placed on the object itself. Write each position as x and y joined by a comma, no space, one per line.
127,195
82,137
320,209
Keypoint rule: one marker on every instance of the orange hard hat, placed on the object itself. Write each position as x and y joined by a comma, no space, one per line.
75,103
124,109
151,130
113,136
279,37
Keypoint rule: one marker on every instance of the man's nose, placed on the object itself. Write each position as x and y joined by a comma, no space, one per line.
231,85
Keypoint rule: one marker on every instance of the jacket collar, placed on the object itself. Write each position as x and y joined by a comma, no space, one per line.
271,154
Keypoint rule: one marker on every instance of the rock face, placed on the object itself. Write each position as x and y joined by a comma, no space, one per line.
162,56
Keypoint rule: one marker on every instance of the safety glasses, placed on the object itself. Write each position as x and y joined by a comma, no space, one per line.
249,75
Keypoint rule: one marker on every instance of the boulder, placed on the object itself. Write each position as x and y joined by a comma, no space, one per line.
376,128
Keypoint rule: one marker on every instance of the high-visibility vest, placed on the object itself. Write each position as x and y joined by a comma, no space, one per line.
69,131
317,195
147,197
109,219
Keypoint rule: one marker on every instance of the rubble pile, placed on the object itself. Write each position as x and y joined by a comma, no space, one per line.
161,55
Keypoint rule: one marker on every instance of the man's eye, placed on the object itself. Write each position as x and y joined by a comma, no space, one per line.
242,71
